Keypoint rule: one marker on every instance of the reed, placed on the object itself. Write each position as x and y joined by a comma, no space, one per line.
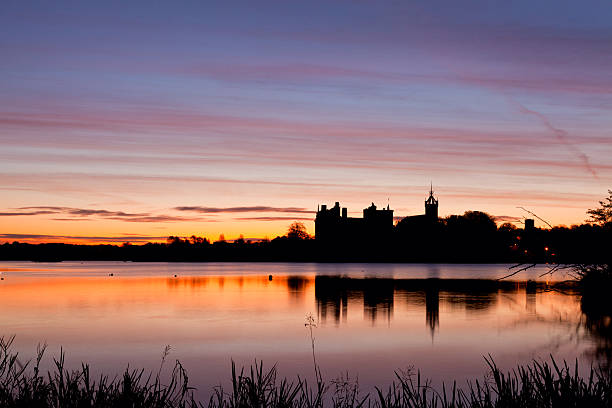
538,384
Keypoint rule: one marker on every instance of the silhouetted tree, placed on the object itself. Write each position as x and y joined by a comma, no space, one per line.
297,230
507,227
172,240
480,221
199,240
469,236
508,237
603,214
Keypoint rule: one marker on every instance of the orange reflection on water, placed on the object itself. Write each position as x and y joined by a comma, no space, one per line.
368,326
110,307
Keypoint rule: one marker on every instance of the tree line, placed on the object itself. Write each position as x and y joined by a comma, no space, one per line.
471,237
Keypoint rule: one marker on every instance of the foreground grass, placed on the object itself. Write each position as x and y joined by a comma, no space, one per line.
539,384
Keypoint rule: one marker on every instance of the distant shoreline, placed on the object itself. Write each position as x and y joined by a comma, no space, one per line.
435,243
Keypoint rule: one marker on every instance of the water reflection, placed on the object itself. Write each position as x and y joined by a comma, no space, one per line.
431,322
432,309
378,296
598,321
530,298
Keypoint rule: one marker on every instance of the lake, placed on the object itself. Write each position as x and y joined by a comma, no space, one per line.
371,319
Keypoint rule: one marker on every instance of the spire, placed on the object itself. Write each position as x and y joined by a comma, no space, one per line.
431,200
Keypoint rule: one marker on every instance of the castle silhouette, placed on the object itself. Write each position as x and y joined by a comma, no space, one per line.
334,224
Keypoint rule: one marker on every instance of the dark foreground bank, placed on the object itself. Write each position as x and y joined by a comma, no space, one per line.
539,384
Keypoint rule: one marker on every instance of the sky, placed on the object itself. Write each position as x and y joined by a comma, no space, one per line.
132,121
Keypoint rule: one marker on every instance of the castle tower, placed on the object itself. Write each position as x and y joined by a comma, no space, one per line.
431,206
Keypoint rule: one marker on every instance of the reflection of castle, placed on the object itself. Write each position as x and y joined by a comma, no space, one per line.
331,225
381,296
333,293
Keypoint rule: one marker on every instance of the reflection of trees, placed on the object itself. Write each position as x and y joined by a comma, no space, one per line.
591,325
567,321
193,281
296,285
595,285
530,298
597,310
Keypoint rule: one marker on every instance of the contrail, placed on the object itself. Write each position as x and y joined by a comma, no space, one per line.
561,136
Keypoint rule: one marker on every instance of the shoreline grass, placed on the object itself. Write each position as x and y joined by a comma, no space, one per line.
537,384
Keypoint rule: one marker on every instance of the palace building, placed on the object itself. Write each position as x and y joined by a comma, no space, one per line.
334,225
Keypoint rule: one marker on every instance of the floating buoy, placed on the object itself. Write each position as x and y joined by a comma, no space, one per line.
270,277
175,276
111,274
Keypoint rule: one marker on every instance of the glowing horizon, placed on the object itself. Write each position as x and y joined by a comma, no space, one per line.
126,122
85,216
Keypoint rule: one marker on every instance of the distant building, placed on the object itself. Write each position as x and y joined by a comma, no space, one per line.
334,225
529,224
431,212
431,206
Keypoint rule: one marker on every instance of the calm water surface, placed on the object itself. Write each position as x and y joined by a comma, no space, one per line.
372,319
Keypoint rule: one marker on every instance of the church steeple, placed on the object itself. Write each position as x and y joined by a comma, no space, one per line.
431,205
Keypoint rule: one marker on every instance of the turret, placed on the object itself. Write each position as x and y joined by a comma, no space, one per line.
431,205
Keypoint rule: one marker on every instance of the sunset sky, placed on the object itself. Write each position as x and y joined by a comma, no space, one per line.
132,121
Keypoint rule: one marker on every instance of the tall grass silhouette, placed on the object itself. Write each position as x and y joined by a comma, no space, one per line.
538,384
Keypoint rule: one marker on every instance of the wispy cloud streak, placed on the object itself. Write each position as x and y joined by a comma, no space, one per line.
81,214
84,212
13,214
215,210
274,218
120,238
561,135
507,218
